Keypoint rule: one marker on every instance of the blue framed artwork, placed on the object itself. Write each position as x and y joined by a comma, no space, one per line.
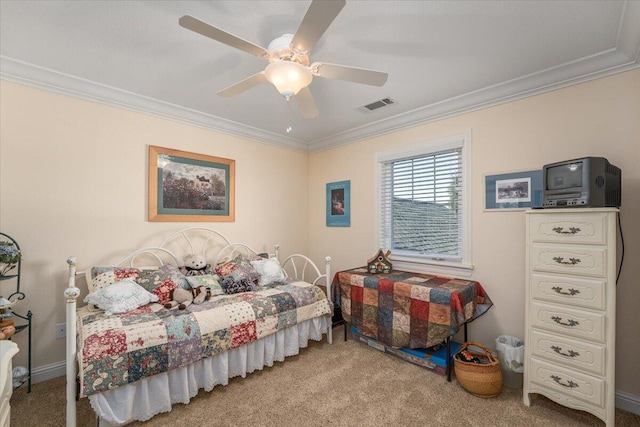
339,204
518,190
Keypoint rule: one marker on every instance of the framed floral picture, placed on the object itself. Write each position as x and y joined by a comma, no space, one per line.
339,204
187,186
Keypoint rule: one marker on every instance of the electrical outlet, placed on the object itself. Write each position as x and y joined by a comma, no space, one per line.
61,330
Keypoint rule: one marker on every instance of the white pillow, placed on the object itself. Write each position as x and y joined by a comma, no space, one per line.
269,271
121,297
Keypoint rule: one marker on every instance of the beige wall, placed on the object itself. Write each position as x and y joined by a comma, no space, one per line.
598,118
73,181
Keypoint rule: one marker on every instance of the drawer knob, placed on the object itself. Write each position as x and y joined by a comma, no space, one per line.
569,291
571,353
561,230
569,322
572,261
569,383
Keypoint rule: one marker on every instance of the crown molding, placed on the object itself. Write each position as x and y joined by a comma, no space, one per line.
624,57
580,71
53,81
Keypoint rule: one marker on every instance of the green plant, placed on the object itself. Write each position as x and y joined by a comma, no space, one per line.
9,256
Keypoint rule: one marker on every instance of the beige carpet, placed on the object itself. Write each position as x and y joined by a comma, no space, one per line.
344,384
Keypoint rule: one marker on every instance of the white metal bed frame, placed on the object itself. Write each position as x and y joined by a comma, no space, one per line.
299,265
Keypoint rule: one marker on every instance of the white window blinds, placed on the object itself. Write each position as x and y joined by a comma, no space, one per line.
421,209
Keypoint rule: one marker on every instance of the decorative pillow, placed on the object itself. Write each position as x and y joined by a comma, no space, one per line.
175,275
240,269
225,268
230,286
152,279
269,271
120,297
99,277
164,292
208,281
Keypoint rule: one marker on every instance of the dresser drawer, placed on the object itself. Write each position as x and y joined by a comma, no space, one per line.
580,260
576,228
567,321
568,290
571,383
565,351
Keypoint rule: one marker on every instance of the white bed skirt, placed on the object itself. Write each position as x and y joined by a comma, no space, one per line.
150,396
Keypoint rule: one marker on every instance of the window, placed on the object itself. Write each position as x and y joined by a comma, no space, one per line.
424,205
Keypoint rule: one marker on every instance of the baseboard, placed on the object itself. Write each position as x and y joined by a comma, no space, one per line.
625,401
47,372
628,402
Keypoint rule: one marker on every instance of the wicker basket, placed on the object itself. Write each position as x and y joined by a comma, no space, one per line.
482,380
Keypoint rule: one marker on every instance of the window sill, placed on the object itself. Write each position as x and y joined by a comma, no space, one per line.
448,269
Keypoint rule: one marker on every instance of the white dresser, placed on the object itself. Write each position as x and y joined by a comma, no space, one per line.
7,350
570,312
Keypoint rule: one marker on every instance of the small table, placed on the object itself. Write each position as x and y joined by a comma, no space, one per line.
337,320
411,310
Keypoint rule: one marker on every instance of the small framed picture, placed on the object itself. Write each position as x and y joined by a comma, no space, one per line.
339,204
513,191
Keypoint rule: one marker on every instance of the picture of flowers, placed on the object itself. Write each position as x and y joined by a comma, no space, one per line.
187,186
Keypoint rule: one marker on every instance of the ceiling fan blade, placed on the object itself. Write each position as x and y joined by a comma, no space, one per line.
243,85
350,74
315,22
193,24
306,104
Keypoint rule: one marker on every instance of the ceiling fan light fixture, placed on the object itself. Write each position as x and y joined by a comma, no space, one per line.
288,77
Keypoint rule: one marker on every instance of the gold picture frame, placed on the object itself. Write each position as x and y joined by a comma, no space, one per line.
186,186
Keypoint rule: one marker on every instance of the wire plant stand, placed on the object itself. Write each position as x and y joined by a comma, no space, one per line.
14,297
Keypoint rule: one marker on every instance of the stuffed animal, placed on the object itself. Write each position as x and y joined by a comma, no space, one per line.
194,264
201,294
183,298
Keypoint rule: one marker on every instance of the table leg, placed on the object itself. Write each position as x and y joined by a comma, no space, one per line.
449,359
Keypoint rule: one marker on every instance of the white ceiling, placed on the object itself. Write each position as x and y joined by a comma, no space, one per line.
443,58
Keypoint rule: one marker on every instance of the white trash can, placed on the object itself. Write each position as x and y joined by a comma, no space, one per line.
511,356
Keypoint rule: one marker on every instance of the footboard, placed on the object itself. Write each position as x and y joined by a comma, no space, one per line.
300,266
71,293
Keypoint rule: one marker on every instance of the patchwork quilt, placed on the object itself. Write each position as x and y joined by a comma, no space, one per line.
120,349
409,310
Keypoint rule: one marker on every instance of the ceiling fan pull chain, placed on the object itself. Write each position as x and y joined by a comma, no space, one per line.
289,128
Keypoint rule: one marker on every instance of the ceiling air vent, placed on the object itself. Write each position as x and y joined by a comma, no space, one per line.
384,102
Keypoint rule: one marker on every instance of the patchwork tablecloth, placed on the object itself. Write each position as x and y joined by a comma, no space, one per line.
120,349
411,310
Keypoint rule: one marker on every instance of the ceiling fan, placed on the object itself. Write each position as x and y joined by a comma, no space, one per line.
289,68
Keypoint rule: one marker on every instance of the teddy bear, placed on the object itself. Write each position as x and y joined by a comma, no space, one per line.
194,264
183,298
